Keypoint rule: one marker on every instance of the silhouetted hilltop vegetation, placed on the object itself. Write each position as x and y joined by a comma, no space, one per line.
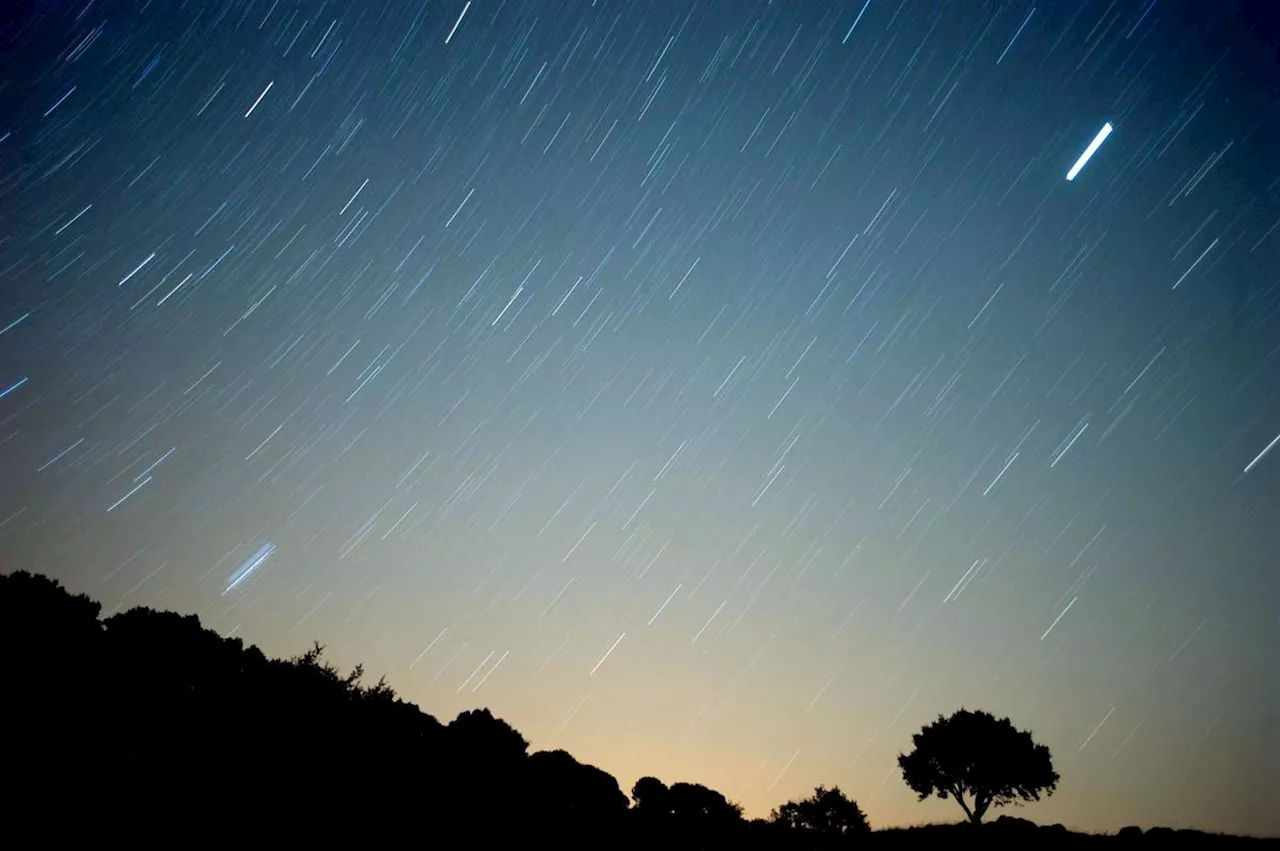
147,730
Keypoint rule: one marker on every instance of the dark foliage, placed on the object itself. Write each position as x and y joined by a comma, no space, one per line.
146,730
561,794
827,815
976,755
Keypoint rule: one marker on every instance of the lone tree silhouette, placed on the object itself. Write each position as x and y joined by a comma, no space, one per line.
976,754
827,812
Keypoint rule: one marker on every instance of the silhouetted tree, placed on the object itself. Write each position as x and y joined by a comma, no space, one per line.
54,739
695,803
486,739
310,730
827,812
652,797
975,754
570,796
173,701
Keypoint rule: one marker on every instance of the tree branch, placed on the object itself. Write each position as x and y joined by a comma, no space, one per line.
957,794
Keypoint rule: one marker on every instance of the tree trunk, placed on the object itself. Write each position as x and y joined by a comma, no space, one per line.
968,812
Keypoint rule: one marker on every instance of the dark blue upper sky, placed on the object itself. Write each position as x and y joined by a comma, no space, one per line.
719,391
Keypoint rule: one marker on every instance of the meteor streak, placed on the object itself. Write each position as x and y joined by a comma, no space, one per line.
1090,151
254,562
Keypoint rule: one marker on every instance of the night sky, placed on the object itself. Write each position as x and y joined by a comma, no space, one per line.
717,391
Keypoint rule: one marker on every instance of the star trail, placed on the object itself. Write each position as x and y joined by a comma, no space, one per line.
716,390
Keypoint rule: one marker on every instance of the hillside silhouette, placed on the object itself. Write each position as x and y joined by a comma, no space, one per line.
146,730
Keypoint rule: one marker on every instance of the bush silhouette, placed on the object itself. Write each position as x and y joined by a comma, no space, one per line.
827,812
652,797
973,754
695,804
561,790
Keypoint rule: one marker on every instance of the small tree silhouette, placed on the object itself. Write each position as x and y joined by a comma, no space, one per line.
651,796
696,804
827,812
974,754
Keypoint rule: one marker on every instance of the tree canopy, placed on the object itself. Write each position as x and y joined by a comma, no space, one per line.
826,811
974,755
153,731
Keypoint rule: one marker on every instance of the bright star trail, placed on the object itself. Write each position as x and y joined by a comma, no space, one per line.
717,391
1090,151
250,566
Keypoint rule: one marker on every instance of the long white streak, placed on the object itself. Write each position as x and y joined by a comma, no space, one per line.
1128,737
1262,454
639,508
514,296
491,670
708,623
73,220
1000,474
15,322
574,549
1195,264
1069,445
569,717
354,197
832,270
460,206
12,387
428,648
1015,36
484,662
962,579
672,459
611,647
566,296
59,456
978,315
136,270
912,595
767,484
157,463
136,488
249,457
784,770
821,692
1089,738
1058,618
778,404
664,604
855,22
175,289
260,97
50,110
254,562
455,23
556,598
1090,151
201,110
685,278
344,357
730,375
